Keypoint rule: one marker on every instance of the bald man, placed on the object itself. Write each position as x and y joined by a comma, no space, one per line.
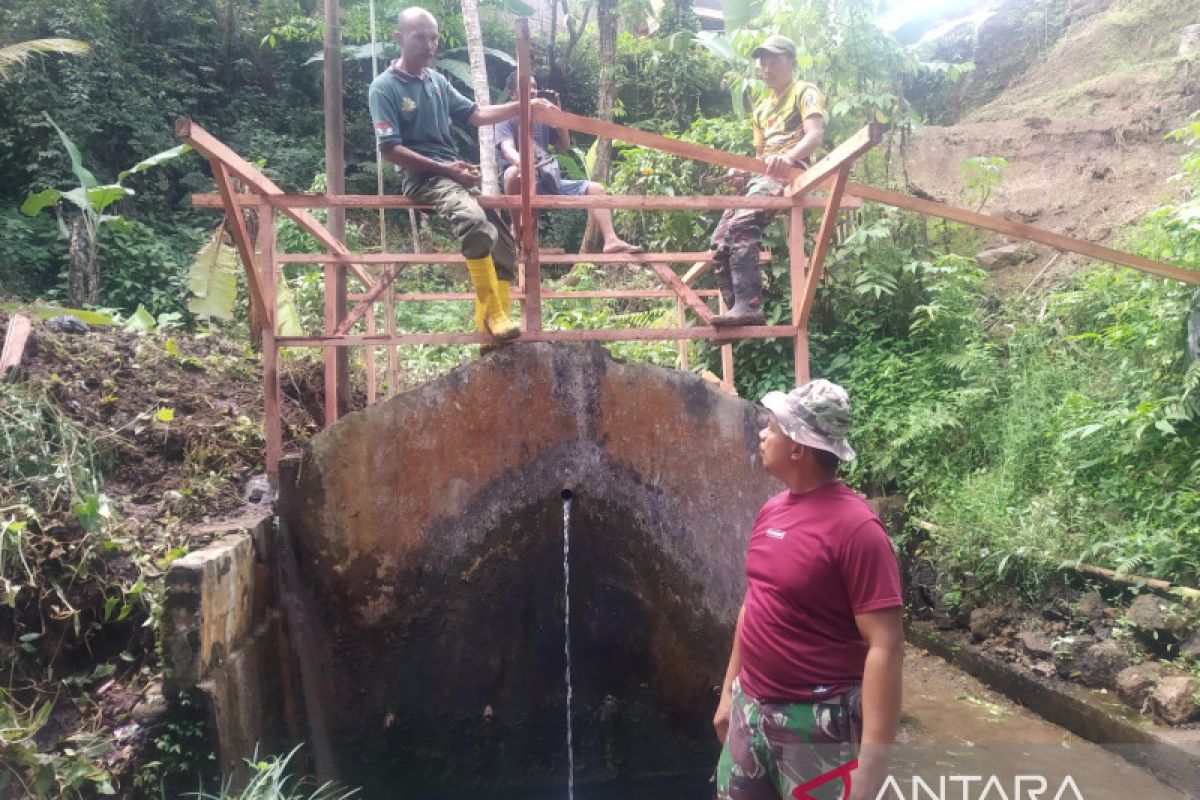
412,107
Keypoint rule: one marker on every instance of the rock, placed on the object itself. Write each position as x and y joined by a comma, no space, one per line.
1100,664
986,622
998,257
1043,669
171,498
151,708
1066,651
1036,645
1091,606
67,324
1135,683
259,491
1150,613
1189,42
1191,645
1173,700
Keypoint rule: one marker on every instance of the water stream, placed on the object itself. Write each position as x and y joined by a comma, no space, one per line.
566,501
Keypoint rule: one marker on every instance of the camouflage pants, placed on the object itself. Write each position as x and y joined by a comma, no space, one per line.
773,749
738,238
480,230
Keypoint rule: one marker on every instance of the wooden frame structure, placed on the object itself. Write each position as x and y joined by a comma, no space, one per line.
830,176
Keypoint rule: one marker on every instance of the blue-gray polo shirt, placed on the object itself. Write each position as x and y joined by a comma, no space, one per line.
415,111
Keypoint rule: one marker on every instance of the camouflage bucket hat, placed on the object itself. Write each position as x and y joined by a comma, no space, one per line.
816,414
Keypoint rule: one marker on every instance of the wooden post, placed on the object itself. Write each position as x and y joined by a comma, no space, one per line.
799,271
389,308
337,369
683,343
529,236
369,353
821,246
272,412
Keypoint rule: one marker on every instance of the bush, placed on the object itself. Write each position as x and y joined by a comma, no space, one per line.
33,257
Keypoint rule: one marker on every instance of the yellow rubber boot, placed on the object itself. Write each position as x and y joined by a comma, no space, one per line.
487,293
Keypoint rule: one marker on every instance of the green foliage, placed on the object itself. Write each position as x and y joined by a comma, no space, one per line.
32,256
144,266
26,771
271,781
980,175
212,278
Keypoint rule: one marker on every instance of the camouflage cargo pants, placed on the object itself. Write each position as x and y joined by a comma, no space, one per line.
773,749
738,238
480,230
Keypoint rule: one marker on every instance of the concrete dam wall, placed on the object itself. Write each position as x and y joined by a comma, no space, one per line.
427,534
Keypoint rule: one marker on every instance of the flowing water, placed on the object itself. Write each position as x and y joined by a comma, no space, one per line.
566,501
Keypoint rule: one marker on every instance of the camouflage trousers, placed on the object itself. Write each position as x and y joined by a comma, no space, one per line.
786,750
738,238
481,231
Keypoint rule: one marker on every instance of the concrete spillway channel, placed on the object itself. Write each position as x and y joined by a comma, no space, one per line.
403,613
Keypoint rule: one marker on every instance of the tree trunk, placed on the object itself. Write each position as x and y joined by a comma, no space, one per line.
487,134
77,269
606,22
337,360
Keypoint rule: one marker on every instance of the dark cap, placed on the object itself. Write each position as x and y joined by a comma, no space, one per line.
780,45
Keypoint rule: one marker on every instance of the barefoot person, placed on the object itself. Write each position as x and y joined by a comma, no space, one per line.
549,180
412,107
788,125
815,670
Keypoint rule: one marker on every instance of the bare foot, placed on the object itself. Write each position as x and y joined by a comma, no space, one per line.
619,246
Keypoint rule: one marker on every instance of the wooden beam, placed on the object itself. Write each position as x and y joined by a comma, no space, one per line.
610,130
821,248
630,201
15,338
518,294
843,155
602,335
531,310
213,149
1020,230
798,266
685,292
456,258
241,240
272,398
389,275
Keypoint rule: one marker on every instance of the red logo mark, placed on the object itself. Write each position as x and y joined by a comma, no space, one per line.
802,792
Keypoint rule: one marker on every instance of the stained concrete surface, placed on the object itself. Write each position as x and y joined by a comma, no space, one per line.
428,531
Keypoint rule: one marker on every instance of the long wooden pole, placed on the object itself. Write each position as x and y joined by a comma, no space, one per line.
337,365
272,410
529,235
1022,231
798,263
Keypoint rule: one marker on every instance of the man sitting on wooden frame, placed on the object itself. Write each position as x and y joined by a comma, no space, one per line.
788,124
412,106
549,178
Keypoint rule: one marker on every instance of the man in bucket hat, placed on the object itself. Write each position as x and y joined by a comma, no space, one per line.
814,676
789,124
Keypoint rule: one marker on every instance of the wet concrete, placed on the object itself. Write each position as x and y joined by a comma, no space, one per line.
954,725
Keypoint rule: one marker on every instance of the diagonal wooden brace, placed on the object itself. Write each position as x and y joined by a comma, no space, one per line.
216,151
684,291
372,295
611,130
241,239
821,247
843,155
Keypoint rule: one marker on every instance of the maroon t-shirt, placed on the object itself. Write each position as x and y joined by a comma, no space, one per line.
815,560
